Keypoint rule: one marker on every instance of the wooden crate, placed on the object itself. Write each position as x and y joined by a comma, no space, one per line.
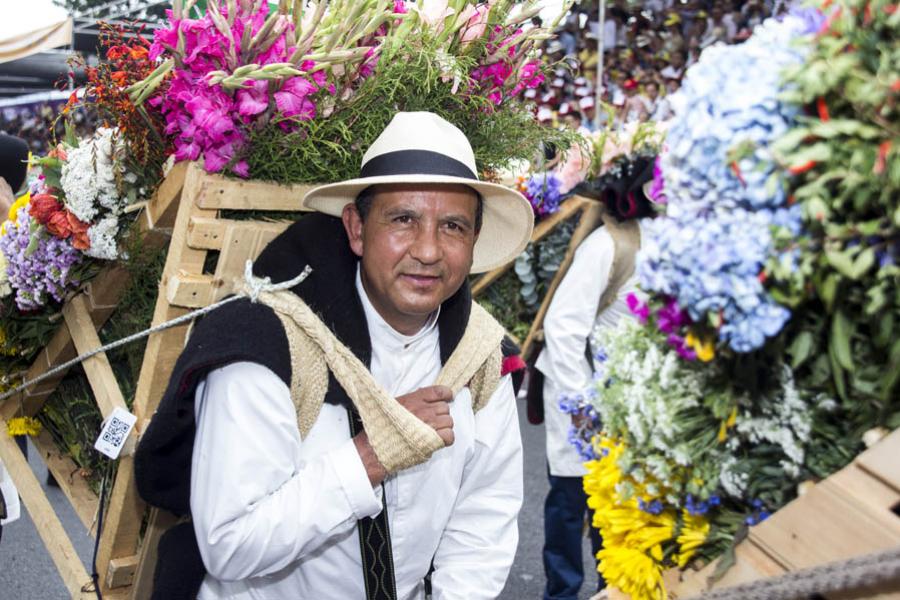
851,513
186,210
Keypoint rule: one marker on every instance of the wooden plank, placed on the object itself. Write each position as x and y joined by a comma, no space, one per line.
70,479
209,234
120,537
241,242
97,368
751,563
882,460
158,523
586,224
160,211
191,291
48,525
863,488
220,192
121,572
822,526
541,230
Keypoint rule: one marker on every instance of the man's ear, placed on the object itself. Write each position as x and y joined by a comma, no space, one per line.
353,224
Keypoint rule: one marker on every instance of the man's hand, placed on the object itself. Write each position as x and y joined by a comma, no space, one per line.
432,406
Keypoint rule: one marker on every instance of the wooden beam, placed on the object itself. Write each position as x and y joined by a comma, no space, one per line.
70,479
218,192
99,372
588,222
541,230
191,291
209,234
48,525
158,523
121,572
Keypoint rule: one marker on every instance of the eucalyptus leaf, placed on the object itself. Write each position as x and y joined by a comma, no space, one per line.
800,349
841,333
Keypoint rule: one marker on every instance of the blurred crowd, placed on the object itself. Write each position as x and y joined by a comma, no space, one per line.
647,48
38,124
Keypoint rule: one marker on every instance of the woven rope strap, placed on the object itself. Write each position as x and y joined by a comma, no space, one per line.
855,573
400,440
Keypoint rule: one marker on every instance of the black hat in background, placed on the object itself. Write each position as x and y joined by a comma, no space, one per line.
13,160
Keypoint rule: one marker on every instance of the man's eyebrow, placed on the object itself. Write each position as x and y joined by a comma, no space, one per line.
400,211
459,219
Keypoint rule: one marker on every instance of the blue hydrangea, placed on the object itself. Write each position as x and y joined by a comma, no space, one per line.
725,193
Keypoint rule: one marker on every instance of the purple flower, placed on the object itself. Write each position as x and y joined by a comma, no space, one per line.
638,308
681,347
39,264
657,190
542,191
671,318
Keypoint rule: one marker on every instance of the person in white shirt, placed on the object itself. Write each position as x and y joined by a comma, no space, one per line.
340,500
571,318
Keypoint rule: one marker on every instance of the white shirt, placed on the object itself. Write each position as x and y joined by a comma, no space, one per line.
275,515
10,495
571,318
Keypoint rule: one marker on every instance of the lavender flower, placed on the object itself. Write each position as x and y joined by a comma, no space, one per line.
542,190
39,263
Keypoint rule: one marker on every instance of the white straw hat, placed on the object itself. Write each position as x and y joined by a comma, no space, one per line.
421,147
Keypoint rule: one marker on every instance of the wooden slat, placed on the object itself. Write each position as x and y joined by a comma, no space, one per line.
541,230
586,224
883,460
209,234
121,571
191,291
219,192
120,536
241,242
97,368
68,475
48,525
158,522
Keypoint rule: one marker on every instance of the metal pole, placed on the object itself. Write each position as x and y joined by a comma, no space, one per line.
598,88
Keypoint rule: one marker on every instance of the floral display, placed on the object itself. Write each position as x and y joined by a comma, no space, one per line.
543,192
724,188
760,353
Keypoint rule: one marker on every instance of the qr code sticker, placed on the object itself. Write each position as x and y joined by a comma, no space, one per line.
116,432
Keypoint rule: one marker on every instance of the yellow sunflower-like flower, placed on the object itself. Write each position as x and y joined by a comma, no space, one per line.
23,426
694,532
727,424
632,554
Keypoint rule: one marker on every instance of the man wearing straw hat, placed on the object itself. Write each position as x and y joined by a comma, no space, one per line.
354,436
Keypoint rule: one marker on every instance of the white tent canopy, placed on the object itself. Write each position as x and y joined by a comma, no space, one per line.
35,26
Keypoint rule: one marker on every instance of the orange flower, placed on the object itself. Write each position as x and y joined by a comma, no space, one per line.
803,168
119,77
80,239
138,52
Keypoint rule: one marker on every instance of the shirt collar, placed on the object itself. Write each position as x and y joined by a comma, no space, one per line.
381,331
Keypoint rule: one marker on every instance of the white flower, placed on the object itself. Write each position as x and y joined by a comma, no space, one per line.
88,177
103,239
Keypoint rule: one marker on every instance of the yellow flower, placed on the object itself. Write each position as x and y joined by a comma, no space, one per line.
704,348
693,533
727,424
23,426
23,200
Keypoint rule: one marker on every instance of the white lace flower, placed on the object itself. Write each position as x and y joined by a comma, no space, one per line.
103,239
5,288
88,177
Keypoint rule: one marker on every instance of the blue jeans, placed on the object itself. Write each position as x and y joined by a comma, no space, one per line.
565,511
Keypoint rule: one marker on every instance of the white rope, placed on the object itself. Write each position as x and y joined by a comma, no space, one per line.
253,287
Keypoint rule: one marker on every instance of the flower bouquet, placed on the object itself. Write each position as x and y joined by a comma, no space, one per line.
732,386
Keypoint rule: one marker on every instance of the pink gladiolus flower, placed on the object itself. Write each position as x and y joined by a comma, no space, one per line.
400,7
476,18
253,99
291,99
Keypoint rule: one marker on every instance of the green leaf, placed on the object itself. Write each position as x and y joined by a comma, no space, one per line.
800,348
837,373
842,261
828,290
839,341
863,263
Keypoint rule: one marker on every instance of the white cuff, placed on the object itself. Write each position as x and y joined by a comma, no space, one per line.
354,480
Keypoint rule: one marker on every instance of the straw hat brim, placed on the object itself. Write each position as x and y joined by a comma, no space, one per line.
506,227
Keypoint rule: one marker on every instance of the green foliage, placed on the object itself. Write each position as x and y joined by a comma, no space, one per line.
845,158
329,149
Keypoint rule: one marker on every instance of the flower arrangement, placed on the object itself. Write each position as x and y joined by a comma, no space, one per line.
251,90
762,351
725,190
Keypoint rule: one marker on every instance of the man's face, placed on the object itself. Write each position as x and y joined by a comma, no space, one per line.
416,248
652,91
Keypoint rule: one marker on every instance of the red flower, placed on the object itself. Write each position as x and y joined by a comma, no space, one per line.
822,109
42,207
802,168
80,239
119,77
58,225
116,52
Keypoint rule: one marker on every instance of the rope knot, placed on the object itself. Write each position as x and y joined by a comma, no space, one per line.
254,286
